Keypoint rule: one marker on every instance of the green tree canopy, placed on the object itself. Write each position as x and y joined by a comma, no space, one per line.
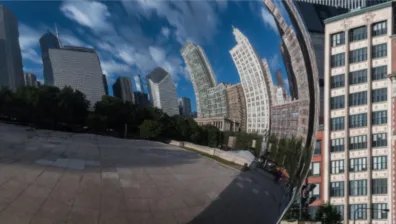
328,214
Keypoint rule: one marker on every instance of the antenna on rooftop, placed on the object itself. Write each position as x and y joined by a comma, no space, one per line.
57,35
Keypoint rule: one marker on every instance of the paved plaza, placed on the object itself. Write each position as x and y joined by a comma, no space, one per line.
58,177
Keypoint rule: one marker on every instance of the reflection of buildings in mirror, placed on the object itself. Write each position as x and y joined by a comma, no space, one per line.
256,90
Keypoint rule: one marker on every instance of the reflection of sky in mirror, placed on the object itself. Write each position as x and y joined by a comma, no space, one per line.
136,39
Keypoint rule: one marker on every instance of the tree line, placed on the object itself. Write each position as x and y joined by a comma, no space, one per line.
67,109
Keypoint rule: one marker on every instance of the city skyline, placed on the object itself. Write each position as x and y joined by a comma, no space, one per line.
162,43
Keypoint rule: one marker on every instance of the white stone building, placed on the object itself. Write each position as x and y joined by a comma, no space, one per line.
256,90
358,153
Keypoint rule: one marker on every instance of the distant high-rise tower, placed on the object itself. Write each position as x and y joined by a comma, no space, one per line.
270,82
122,88
48,41
255,87
78,68
279,79
138,82
11,73
30,80
106,87
202,76
163,91
184,106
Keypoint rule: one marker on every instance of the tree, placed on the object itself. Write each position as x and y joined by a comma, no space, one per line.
150,129
328,214
293,213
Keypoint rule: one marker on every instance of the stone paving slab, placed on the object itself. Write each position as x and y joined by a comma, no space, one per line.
55,177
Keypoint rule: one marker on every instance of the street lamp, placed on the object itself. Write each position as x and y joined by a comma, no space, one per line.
373,209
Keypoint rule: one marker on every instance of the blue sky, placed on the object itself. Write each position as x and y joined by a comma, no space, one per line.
137,36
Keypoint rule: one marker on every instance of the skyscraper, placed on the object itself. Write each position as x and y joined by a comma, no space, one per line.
268,78
279,79
201,73
48,41
257,93
138,82
106,87
359,134
122,88
184,106
78,68
141,99
163,91
30,80
11,74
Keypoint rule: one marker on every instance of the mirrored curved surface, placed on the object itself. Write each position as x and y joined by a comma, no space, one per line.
274,60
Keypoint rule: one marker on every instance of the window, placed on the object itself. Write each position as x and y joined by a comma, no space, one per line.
340,209
315,169
338,60
358,142
359,33
360,210
359,98
379,117
357,164
337,166
358,55
357,120
318,146
378,211
379,50
337,81
379,95
357,187
357,77
338,39
380,186
337,102
379,140
380,163
337,123
337,145
316,192
379,73
379,28
337,189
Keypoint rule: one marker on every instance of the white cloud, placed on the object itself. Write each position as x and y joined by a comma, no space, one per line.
91,14
268,20
70,39
31,55
165,31
157,54
29,42
184,16
111,67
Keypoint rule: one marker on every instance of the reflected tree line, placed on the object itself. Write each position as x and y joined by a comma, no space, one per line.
67,109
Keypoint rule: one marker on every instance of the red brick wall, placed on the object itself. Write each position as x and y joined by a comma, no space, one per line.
318,179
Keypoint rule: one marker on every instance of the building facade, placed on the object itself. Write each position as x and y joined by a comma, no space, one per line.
215,101
271,85
256,89
184,106
358,114
78,68
202,77
348,4
163,91
122,88
11,74
48,41
285,119
315,174
30,80
237,105
141,99
222,123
